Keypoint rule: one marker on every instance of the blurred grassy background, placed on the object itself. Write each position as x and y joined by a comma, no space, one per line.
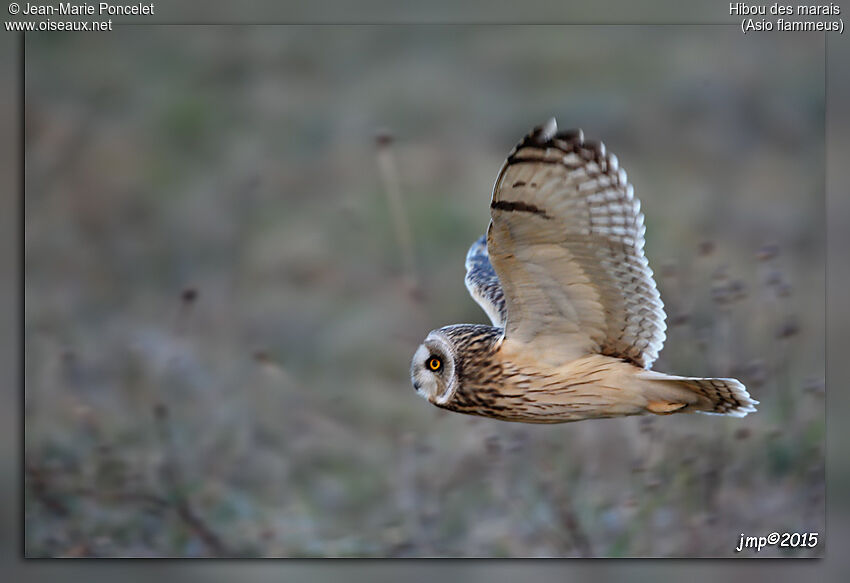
218,326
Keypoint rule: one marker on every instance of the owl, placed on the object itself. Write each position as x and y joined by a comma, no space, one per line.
577,319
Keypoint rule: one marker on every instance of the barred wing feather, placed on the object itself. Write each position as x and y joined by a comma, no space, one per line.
566,242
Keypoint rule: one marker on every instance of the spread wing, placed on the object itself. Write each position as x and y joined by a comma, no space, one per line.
566,241
483,283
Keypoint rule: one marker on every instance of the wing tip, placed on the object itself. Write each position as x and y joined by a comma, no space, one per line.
543,135
549,128
547,134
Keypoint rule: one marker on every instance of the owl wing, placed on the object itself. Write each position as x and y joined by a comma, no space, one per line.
483,283
566,242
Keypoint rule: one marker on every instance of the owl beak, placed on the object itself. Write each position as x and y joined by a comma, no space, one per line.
416,386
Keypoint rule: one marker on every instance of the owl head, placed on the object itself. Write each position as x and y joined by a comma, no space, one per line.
432,370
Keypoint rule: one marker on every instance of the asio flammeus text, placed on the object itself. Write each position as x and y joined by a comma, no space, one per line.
577,319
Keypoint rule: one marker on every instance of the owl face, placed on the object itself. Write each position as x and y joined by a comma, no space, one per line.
432,370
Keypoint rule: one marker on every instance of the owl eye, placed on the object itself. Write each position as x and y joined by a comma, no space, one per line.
435,364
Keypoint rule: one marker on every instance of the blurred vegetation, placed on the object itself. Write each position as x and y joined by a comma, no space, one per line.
219,312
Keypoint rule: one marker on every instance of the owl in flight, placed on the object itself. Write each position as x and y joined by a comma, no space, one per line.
577,319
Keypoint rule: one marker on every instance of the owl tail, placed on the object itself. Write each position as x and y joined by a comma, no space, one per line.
671,394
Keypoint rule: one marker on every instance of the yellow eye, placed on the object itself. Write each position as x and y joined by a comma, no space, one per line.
435,363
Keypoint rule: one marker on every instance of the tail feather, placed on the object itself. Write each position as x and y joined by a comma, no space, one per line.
712,396
727,396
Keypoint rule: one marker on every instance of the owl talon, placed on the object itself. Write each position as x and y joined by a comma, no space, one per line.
663,408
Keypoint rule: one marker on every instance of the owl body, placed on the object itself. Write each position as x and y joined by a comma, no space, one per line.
577,319
493,377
